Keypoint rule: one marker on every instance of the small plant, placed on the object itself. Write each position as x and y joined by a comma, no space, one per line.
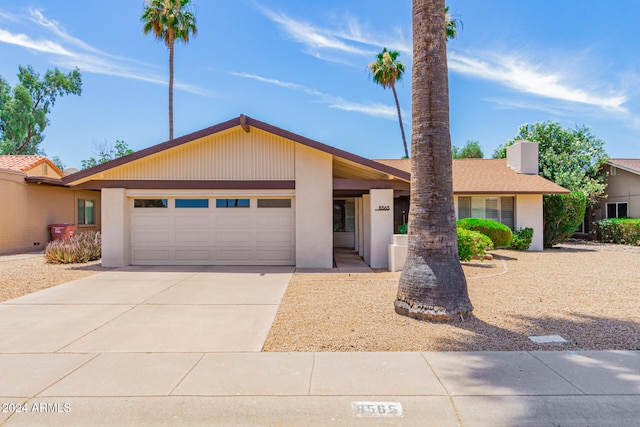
403,228
624,231
499,233
80,248
522,238
472,244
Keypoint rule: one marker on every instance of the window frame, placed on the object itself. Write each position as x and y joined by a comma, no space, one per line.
237,206
84,212
617,204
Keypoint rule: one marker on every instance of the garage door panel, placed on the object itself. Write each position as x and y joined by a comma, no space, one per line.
239,221
150,236
274,237
275,221
212,236
192,255
151,255
193,221
150,220
274,254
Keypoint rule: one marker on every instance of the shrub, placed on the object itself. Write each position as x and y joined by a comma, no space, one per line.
624,231
83,247
499,234
472,244
522,239
563,213
403,228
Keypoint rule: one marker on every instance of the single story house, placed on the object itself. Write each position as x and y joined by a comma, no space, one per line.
622,194
32,196
245,192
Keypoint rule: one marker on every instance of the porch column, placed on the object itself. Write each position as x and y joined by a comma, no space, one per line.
115,221
314,208
529,213
381,226
366,228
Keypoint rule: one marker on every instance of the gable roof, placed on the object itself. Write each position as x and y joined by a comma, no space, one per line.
489,176
26,163
629,165
246,123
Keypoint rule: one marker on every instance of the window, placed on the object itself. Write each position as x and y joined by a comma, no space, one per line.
274,203
192,203
499,209
86,212
232,203
617,210
344,216
150,203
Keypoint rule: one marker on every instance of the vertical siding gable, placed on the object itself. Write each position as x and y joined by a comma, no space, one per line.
229,155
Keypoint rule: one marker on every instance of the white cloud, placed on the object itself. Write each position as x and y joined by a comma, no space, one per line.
70,52
372,109
525,77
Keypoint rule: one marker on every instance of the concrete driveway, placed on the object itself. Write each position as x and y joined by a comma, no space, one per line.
148,309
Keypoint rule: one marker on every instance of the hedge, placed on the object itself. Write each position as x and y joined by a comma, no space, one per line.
499,233
625,231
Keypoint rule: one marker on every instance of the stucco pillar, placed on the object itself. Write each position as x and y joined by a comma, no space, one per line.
381,214
529,213
115,241
314,208
366,228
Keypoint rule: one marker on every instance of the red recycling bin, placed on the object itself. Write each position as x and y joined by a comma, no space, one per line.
62,231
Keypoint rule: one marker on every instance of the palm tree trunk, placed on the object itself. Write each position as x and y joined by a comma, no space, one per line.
432,285
404,138
171,90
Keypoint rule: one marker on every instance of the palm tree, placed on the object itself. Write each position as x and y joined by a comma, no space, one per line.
386,71
432,285
452,24
169,21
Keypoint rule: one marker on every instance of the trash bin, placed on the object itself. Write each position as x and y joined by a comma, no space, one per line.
61,231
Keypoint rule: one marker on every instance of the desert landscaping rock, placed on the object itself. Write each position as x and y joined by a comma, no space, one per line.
24,275
586,292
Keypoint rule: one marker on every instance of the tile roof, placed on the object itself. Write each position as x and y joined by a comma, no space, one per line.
489,176
630,165
25,163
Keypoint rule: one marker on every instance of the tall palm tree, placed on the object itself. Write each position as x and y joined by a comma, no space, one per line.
452,24
169,21
386,70
432,285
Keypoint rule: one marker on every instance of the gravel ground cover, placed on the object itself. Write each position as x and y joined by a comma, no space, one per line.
586,292
24,274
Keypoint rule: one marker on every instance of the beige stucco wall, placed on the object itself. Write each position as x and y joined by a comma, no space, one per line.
529,213
381,226
622,187
115,228
27,210
314,208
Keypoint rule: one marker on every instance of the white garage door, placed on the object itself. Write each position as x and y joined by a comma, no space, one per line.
212,231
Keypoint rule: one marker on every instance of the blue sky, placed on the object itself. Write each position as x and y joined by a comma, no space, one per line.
301,66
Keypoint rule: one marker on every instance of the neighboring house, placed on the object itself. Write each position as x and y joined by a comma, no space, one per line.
622,195
32,196
245,192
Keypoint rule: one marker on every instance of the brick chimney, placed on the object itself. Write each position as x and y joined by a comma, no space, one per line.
522,157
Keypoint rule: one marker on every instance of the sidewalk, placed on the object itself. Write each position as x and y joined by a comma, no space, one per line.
439,389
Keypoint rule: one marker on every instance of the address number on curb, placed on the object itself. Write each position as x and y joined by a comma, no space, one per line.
376,409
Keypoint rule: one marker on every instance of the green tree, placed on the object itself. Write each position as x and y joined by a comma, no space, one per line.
569,157
432,285
386,70
169,21
107,152
471,150
56,160
24,109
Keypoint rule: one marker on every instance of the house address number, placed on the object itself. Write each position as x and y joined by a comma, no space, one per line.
376,409
383,208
